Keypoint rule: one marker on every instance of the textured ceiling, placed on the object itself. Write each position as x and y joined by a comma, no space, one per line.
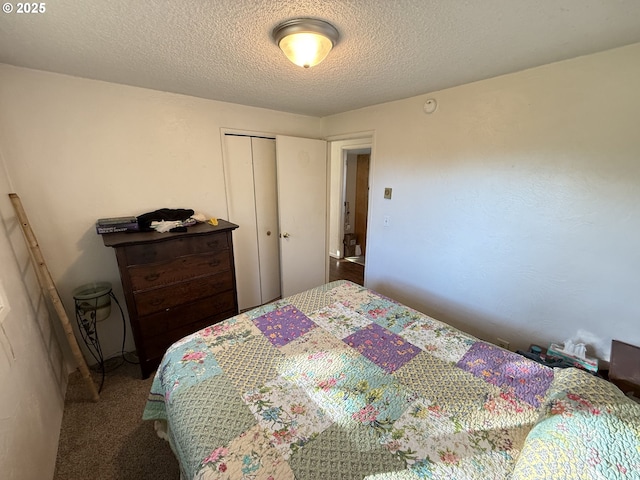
389,49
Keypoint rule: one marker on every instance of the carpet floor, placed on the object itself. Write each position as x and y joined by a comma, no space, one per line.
108,440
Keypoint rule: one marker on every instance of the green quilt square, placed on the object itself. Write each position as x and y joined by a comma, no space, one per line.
344,453
206,416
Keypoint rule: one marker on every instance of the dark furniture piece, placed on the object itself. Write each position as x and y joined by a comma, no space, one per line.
175,284
624,367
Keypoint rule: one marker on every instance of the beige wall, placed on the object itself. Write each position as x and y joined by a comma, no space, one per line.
78,150
33,373
516,205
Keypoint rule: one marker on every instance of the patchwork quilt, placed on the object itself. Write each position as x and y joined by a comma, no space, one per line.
340,382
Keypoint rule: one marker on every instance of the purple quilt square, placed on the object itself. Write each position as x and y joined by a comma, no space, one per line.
283,325
383,347
528,379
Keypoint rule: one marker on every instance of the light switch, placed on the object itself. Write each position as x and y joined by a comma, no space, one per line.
387,193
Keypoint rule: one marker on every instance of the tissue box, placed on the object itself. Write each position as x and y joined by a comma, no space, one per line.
588,363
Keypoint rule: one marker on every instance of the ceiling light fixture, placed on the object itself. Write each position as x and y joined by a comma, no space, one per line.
305,41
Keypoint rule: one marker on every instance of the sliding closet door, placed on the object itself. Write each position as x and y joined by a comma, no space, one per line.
250,178
241,202
266,195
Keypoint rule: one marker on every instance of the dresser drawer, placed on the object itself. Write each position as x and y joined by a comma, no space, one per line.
165,298
162,322
143,254
144,277
155,347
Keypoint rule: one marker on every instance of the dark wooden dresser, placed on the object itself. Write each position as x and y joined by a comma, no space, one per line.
175,284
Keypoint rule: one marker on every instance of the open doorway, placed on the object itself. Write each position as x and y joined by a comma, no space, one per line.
356,205
349,206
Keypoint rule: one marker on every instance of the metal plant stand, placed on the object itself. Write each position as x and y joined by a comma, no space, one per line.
92,305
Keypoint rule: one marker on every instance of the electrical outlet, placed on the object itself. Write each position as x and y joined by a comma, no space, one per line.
502,343
387,221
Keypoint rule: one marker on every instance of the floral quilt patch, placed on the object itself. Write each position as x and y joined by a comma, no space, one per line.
528,380
376,308
188,364
284,324
437,339
383,347
223,335
340,320
437,445
249,456
350,294
287,414
398,318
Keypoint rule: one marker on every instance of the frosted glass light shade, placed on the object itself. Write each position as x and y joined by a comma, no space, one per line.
306,49
305,41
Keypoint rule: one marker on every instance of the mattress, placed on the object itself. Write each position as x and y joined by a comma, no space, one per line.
340,382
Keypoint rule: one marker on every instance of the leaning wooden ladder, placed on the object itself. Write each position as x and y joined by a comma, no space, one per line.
46,283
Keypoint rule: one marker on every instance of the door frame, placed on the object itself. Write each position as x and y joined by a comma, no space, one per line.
339,146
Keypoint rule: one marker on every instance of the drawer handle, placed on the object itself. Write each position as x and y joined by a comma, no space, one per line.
213,244
215,263
151,277
157,301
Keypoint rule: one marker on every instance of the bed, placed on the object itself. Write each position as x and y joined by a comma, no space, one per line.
340,382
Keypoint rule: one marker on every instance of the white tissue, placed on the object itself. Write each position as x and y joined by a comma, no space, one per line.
578,350
165,226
